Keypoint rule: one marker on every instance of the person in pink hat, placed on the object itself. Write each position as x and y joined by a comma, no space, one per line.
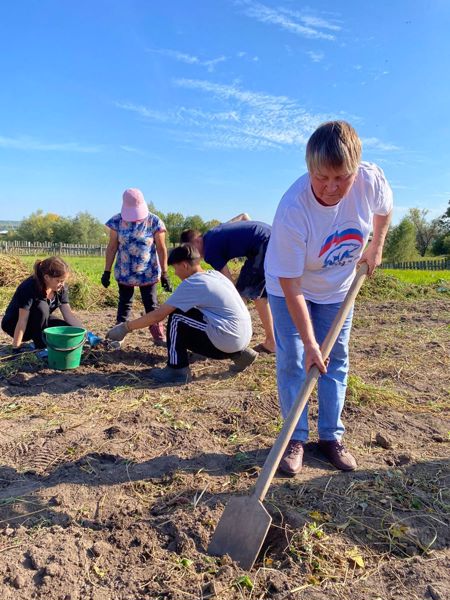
137,244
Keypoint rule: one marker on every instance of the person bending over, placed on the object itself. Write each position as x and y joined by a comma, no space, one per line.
235,239
319,236
206,316
34,302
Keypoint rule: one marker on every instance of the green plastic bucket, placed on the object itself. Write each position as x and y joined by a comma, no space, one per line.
65,345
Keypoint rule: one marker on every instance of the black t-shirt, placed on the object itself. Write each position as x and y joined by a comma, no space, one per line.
28,295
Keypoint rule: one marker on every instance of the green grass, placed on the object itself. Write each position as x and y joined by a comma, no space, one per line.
420,277
91,266
393,284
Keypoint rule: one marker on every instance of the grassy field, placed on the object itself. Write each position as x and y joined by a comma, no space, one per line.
91,266
420,277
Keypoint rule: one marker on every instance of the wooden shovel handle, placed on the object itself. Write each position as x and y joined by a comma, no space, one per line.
275,454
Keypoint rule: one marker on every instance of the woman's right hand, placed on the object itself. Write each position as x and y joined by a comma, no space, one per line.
313,356
106,279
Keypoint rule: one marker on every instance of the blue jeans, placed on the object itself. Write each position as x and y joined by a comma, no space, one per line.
291,373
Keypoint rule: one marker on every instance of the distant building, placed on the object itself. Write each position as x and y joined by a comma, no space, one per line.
6,226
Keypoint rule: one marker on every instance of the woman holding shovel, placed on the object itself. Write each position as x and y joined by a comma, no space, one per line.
137,244
319,236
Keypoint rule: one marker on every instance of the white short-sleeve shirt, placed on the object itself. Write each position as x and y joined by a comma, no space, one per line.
322,244
228,322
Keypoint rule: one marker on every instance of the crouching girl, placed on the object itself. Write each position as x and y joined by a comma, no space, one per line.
34,302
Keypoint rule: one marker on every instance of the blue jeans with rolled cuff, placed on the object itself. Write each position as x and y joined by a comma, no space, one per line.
291,372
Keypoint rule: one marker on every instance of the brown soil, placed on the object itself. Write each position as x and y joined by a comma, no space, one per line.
110,487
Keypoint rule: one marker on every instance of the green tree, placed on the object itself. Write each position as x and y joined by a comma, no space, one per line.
441,244
445,219
426,231
152,208
401,242
211,224
38,227
175,225
86,229
194,222
63,231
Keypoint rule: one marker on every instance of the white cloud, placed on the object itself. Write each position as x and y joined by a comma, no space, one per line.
239,118
315,56
377,144
305,25
143,111
189,58
131,149
180,56
247,56
29,143
313,21
138,152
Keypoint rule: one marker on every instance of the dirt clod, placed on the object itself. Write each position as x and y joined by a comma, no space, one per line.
384,440
19,582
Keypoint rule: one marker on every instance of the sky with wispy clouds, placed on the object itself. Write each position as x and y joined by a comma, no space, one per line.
206,105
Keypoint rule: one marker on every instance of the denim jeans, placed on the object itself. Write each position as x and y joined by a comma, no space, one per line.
291,373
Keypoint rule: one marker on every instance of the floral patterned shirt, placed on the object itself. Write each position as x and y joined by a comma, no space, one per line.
136,259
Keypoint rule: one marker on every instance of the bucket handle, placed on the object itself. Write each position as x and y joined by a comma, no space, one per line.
64,349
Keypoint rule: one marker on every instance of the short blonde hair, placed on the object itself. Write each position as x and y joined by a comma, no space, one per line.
334,145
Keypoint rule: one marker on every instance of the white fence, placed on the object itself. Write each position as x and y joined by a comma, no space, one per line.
51,249
441,264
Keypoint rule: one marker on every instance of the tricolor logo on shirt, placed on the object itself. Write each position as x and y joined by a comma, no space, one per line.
341,247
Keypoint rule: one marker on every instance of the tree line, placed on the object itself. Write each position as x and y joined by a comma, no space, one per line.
87,229
415,237
412,238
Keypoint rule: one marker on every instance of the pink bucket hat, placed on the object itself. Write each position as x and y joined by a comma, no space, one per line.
134,207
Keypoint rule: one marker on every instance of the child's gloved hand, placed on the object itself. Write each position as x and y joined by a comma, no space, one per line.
118,332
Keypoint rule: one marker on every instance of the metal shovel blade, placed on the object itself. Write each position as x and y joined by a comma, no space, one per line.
241,531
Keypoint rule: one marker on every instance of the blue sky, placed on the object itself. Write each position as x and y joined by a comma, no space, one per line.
206,105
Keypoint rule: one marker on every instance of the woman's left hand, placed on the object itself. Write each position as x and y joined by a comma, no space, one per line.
372,255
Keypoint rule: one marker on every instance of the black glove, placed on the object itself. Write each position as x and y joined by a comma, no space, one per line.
166,283
106,279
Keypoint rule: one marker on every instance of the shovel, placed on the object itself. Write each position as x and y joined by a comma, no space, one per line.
245,522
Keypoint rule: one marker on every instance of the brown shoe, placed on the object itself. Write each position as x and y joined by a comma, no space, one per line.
292,460
338,455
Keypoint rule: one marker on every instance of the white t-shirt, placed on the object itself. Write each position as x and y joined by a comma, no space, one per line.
322,244
229,326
